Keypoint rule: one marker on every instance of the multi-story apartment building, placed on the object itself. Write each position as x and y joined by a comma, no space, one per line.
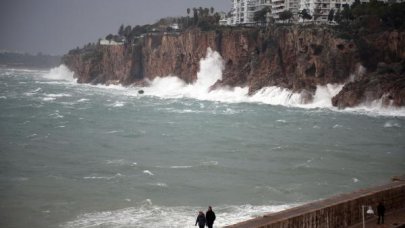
320,9
243,10
278,6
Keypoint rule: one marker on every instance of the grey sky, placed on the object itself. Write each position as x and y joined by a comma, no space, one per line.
56,26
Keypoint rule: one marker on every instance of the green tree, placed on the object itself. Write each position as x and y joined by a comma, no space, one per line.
109,37
331,14
188,11
195,16
121,30
127,32
317,12
261,15
338,16
346,13
206,12
305,15
285,15
212,10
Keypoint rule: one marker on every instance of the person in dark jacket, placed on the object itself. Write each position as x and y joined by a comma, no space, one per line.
200,220
380,212
210,216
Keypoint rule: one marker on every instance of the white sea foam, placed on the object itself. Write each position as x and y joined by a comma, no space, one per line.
148,172
181,167
211,67
281,121
56,115
159,184
48,99
209,163
82,100
146,214
390,124
32,92
59,73
58,95
211,70
118,104
97,177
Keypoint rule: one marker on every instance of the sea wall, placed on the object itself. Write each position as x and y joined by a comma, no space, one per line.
338,211
294,57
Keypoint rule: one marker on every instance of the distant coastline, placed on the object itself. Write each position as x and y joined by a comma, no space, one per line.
25,60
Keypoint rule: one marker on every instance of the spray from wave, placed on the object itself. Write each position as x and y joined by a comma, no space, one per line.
211,67
60,73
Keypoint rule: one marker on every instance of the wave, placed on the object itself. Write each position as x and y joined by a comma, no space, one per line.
146,214
97,177
211,68
60,73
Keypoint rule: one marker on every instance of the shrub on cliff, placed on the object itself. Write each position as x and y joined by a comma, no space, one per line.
376,13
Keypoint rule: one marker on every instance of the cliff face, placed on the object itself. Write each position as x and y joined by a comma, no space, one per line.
291,57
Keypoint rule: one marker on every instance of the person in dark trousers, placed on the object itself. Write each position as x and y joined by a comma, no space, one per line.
200,220
210,216
380,213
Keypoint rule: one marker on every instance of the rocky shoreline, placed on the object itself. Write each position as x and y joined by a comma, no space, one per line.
298,58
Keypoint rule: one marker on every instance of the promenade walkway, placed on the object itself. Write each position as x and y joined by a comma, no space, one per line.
341,210
394,219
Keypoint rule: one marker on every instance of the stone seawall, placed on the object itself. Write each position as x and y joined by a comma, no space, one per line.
338,211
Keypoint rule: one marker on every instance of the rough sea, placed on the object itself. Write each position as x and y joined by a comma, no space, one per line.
78,155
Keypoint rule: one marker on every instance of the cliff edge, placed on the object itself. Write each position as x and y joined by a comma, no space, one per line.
298,58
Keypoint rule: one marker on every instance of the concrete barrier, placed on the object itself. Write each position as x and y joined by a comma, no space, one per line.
339,211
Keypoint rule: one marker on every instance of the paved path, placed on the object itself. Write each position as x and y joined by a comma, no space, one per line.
393,219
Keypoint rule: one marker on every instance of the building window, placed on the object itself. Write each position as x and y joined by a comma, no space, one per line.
337,5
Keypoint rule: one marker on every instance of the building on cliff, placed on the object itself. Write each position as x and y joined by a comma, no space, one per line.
243,11
111,42
320,9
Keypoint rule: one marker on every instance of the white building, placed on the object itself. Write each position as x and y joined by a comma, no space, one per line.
110,42
319,9
243,10
278,6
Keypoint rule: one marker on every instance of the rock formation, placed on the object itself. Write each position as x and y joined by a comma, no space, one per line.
293,57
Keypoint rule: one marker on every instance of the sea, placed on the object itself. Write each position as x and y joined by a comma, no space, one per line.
82,156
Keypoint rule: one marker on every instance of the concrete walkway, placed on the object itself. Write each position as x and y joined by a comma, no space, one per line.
393,219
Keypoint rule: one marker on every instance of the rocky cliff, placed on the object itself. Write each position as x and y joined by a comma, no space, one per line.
292,57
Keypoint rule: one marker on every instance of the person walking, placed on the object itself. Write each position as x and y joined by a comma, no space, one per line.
210,216
380,213
200,220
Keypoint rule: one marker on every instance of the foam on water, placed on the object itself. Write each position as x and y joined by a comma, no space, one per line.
211,67
180,167
148,172
96,177
211,71
58,95
390,124
60,73
146,214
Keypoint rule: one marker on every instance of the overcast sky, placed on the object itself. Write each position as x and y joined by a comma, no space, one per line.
56,26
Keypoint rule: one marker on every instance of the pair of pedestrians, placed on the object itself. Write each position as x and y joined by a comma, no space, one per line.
207,219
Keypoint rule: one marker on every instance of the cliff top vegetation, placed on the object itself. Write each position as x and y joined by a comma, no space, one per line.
354,20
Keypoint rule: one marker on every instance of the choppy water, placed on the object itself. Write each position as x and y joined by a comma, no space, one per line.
94,156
